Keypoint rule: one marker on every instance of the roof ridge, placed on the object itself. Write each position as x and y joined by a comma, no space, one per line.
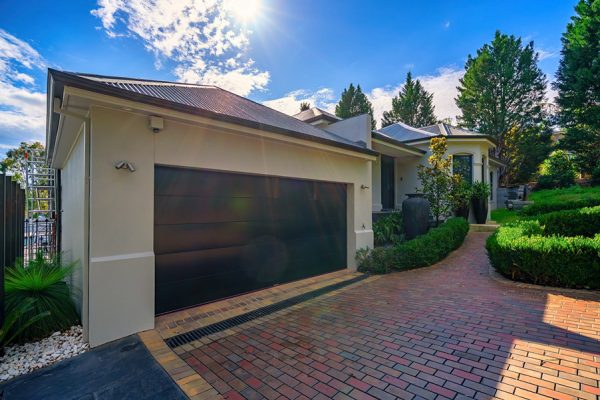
123,79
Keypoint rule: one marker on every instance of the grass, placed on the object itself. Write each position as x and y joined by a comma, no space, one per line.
574,193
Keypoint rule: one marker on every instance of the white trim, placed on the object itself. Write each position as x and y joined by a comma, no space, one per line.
120,257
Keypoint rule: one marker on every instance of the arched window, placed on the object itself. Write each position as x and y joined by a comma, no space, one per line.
462,164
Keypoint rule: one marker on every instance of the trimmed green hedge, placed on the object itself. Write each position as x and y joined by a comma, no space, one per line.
522,252
579,222
422,251
544,208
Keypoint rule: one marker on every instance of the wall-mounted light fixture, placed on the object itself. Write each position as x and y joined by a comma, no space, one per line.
364,187
125,165
156,123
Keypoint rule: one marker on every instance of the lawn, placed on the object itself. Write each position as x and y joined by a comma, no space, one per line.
549,196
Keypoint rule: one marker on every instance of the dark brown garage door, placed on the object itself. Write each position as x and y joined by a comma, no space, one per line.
219,234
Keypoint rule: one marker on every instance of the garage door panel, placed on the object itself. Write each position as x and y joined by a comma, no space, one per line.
220,234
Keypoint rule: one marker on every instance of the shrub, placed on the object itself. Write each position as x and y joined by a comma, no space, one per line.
42,280
388,229
544,208
11,329
596,174
422,251
522,252
557,171
578,222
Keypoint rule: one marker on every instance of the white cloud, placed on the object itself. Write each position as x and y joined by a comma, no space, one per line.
446,24
442,84
546,54
290,103
22,108
202,37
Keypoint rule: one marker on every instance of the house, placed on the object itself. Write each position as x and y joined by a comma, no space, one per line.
401,148
173,195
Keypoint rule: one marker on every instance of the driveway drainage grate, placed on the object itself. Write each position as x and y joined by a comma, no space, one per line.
187,337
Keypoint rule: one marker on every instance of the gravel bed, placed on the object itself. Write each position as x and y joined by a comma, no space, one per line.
24,358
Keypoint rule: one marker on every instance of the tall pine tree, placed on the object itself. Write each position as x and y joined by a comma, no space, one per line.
354,102
305,105
413,106
578,85
501,95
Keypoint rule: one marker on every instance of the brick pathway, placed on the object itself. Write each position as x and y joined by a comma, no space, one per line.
448,331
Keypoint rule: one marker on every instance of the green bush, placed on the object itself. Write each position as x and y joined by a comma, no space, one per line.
422,251
557,171
388,229
578,222
522,252
44,281
544,208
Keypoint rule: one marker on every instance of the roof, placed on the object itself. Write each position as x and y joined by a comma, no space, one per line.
403,133
395,142
202,100
315,114
448,130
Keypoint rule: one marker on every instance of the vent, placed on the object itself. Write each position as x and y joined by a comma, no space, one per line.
188,337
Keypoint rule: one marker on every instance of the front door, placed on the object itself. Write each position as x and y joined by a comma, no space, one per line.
387,183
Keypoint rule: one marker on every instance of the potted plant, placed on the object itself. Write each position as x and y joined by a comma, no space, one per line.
479,199
461,197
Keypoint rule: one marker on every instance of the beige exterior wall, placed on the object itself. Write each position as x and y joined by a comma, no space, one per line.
121,267
73,219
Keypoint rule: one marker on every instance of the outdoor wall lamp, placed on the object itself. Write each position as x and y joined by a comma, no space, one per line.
364,187
125,165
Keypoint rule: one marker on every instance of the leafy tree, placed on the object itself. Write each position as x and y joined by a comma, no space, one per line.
437,180
502,93
525,150
578,85
15,162
354,102
557,171
305,105
413,106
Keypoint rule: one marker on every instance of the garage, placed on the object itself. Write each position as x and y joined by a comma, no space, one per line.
219,234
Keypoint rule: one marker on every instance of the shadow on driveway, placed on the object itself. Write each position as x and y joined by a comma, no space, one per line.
123,369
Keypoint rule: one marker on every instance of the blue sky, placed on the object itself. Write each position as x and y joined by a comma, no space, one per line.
282,53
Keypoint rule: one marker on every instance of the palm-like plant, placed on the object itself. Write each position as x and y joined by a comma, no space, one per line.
44,281
10,330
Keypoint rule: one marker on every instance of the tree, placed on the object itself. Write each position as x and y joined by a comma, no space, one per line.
354,102
413,106
557,171
578,85
305,105
525,150
15,162
502,93
437,180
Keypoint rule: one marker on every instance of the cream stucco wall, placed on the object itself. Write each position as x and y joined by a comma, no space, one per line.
121,262
73,219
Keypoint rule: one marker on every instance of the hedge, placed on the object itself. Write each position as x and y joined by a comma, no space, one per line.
422,251
579,222
547,207
521,252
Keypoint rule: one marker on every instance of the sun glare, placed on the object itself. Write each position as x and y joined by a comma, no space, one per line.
244,10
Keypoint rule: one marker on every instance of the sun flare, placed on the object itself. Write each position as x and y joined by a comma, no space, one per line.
244,10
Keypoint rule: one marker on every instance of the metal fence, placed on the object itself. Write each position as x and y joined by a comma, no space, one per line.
12,226
40,236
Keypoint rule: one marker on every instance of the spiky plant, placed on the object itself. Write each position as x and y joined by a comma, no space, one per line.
44,280
11,329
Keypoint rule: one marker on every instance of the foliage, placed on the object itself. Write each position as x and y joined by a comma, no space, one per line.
480,190
523,252
525,150
504,216
460,192
388,229
501,95
44,281
577,222
305,105
436,179
596,174
557,171
14,325
544,208
15,162
579,87
422,251
354,102
412,106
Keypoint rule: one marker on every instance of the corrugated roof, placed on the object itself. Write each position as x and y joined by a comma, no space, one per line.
207,101
447,130
314,114
403,132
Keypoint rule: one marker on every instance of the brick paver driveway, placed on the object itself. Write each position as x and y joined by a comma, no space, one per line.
448,331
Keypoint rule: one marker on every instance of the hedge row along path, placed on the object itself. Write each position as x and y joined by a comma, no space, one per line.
449,331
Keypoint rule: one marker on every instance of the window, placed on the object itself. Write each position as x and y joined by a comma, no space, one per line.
491,185
463,166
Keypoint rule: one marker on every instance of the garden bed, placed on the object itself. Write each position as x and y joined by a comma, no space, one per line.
422,251
25,358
